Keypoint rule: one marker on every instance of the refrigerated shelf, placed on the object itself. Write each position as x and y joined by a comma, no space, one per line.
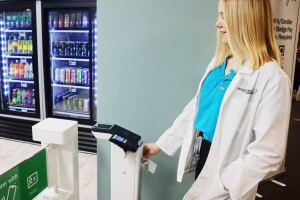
70,59
18,30
71,86
20,81
69,31
71,114
22,109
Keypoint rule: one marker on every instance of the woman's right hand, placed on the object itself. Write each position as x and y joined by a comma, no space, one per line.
150,149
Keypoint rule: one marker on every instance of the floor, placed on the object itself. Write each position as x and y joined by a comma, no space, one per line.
22,151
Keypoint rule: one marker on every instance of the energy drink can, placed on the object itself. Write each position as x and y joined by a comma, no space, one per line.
62,75
85,77
78,76
68,75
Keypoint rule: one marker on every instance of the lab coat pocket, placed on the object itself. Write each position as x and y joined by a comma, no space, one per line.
218,191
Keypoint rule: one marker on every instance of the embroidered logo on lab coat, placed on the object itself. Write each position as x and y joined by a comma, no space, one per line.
246,91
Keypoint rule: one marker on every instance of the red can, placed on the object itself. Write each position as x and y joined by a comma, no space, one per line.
68,75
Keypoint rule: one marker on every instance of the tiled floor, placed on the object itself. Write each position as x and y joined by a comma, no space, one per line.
13,152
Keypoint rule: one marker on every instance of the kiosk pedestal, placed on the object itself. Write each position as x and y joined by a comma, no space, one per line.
125,170
62,157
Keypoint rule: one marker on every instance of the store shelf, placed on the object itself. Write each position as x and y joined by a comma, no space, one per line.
69,31
18,30
72,59
18,56
21,109
70,86
20,81
71,114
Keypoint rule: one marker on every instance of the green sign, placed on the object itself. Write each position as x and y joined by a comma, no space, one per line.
26,180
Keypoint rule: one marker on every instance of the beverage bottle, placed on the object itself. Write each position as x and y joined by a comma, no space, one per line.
29,98
8,21
67,20
83,50
73,76
62,75
14,96
19,97
17,69
18,21
55,20
60,20
22,20
72,20
68,75
78,20
13,21
33,97
25,45
29,49
10,44
20,45
30,71
24,97
12,69
85,21
15,45
27,70
28,20
57,75
78,76
21,70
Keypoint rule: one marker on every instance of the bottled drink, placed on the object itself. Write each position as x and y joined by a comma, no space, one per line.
25,46
73,75
13,21
62,48
50,21
27,71
30,69
33,97
18,21
71,49
17,69
78,49
60,20
29,98
20,45
83,50
78,20
24,97
57,75
21,70
15,45
29,49
68,75
85,77
8,21
58,102
80,106
67,49
68,105
62,75
28,22
86,105
78,76
85,21
14,96
10,44
72,20
23,20
67,20
12,69
55,20
19,97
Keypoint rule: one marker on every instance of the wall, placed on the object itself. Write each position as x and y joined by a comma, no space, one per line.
151,56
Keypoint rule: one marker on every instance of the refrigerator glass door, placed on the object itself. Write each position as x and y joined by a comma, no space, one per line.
70,63
17,69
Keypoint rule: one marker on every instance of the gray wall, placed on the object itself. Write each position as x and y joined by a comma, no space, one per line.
151,56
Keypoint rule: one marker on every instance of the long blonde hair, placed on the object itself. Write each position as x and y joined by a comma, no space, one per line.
250,33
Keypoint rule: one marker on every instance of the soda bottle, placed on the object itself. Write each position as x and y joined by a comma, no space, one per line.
10,44
29,49
14,96
60,20
18,21
17,69
62,75
22,20
78,20
13,21
85,21
57,75
28,20
30,69
21,70
27,70
73,76
15,45
55,20
8,21
67,20
68,75
20,45
83,50
29,98
25,46
78,76
19,97
72,21
33,97
12,69
24,97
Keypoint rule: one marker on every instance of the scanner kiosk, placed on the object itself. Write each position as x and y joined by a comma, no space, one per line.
126,159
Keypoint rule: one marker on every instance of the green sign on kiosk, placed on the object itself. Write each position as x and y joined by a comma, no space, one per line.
26,180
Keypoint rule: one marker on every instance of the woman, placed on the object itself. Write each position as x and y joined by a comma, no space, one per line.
243,130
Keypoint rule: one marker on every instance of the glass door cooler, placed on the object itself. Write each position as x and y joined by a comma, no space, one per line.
18,66
72,63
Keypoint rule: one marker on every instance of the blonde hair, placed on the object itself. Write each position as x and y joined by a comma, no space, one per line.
250,33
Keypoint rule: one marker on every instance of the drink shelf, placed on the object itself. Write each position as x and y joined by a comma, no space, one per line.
19,56
20,81
21,109
17,30
72,59
69,31
71,114
70,86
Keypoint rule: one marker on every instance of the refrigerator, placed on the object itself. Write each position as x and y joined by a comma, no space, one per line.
70,60
19,61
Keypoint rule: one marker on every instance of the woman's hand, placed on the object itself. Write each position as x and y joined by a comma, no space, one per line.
150,149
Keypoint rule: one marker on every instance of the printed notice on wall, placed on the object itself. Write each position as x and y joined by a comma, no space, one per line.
286,28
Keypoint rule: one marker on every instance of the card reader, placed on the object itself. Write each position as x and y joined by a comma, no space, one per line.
125,139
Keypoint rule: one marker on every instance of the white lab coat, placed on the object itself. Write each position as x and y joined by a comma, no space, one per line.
250,135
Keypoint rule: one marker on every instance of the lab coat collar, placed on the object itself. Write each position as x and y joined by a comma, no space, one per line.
246,68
